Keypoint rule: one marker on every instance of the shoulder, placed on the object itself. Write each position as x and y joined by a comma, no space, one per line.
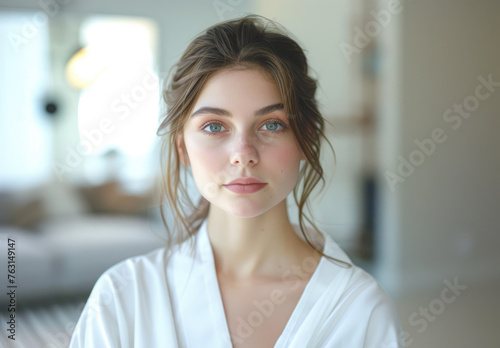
142,275
118,288
121,285
135,267
364,307
370,311
122,300
358,287
366,293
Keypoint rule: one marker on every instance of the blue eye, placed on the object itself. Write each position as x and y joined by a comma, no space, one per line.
213,128
274,126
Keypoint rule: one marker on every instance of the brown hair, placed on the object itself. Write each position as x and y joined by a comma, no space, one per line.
249,42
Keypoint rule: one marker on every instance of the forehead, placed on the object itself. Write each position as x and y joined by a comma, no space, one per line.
239,89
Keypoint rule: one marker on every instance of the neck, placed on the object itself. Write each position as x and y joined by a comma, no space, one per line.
261,246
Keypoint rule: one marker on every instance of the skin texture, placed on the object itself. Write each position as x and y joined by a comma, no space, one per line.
253,242
243,146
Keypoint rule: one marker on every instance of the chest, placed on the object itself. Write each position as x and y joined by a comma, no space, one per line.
257,314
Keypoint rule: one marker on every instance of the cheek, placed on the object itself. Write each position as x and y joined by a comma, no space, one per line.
199,156
204,161
286,159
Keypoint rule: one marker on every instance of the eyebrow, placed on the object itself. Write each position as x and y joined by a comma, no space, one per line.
221,112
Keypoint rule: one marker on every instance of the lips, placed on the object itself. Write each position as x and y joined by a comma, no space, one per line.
245,181
245,185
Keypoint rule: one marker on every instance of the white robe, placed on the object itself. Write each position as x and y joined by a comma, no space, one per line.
146,301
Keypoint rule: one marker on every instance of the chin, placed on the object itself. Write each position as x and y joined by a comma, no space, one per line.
243,207
246,215
245,212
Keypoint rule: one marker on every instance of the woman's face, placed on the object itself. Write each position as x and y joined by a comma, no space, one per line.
238,129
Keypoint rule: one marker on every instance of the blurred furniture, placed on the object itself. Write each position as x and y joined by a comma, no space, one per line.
62,246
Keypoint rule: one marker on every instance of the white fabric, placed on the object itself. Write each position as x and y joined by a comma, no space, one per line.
147,301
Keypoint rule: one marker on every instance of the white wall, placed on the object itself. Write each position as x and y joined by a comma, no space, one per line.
445,222
24,160
179,21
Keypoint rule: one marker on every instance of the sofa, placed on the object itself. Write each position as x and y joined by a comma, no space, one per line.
67,236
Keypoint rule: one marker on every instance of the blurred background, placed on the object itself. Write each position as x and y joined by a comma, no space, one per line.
411,90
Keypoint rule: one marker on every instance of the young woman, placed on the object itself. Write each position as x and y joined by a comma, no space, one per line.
243,123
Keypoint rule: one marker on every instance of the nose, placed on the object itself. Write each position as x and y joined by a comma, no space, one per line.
244,153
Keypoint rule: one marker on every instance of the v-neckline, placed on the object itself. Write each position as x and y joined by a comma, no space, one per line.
219,319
